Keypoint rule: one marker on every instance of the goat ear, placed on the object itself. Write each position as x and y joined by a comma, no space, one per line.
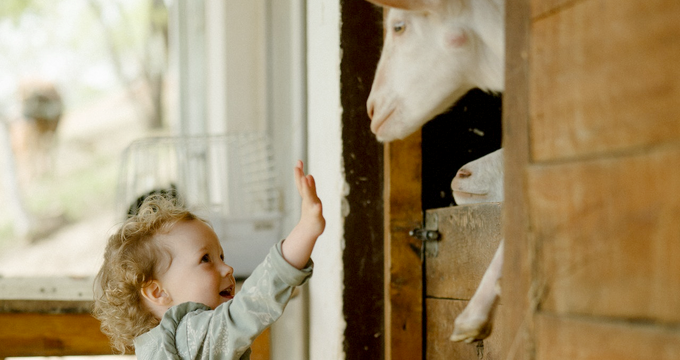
409,4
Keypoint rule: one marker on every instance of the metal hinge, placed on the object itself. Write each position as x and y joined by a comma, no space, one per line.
429,236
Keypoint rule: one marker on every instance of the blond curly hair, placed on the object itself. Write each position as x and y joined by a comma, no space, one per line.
133,257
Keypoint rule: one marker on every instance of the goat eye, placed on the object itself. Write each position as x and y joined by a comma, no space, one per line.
399,27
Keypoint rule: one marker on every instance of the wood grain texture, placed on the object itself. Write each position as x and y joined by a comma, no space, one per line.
441,314
518,265
609,230
585,339
403,267
541,8
604,78
45,306
31,334
470,235
261,346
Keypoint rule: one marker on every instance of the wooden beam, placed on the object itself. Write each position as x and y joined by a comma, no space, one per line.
403,266
608,229
604,78
362,158
31,334
541,8
261,348
562,338
517,312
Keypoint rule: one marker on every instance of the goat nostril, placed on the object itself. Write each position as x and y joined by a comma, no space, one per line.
464,173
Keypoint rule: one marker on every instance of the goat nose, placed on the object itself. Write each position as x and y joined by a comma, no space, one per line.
370,108
463,173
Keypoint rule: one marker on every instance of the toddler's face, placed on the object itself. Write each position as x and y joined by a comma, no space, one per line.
197,272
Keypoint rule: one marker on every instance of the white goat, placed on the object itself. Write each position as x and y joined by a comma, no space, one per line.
434,52
480,181
477,182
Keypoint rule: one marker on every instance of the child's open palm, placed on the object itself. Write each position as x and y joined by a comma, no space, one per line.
311,215
298,246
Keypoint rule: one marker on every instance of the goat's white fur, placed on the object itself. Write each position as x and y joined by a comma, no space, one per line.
480,181
434,52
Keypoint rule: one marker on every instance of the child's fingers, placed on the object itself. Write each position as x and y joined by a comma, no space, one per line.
306,184
312,184
310,188
299,176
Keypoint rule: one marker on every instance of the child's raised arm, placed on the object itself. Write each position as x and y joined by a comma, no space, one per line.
298,246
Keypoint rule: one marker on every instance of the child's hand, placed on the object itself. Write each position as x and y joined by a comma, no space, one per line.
298,246
311,216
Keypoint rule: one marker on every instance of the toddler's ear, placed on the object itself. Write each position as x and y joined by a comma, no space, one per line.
153,292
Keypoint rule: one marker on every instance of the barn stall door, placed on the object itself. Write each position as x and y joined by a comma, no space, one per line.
468,235
428,283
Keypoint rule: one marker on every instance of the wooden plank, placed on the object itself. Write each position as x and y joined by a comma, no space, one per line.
587,339
47,288
362,158
610,235
517,311
604,78
441,314
470,235
46,306
541,8
261,347
30,334
68,333
403,267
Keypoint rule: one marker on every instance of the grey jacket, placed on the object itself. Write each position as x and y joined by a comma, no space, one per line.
194,331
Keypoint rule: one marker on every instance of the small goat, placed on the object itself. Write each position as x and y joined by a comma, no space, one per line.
434,52
480,181
33,133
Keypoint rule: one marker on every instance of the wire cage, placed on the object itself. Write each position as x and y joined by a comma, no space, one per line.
228,179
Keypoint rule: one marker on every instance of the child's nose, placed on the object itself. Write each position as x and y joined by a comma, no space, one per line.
226,270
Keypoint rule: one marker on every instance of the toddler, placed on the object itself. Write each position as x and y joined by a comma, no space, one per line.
165,291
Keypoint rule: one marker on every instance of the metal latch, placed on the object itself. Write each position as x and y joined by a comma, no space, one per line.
428,236
424,234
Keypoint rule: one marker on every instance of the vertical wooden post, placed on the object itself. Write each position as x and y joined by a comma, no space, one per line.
403,266
516,313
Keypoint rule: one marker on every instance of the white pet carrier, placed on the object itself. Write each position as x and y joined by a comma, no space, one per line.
228,179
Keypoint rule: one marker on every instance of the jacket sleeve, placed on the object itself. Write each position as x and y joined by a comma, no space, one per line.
259,303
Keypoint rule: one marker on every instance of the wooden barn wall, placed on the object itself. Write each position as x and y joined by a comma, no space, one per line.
592,213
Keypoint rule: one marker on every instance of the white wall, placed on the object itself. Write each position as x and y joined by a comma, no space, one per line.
287,117
236,63
327,324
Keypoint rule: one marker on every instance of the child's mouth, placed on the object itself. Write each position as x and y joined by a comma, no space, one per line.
227,293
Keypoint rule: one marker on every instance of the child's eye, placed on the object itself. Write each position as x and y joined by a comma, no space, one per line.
222,257
205,258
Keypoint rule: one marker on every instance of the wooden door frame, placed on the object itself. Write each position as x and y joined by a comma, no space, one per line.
518,262
403,264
